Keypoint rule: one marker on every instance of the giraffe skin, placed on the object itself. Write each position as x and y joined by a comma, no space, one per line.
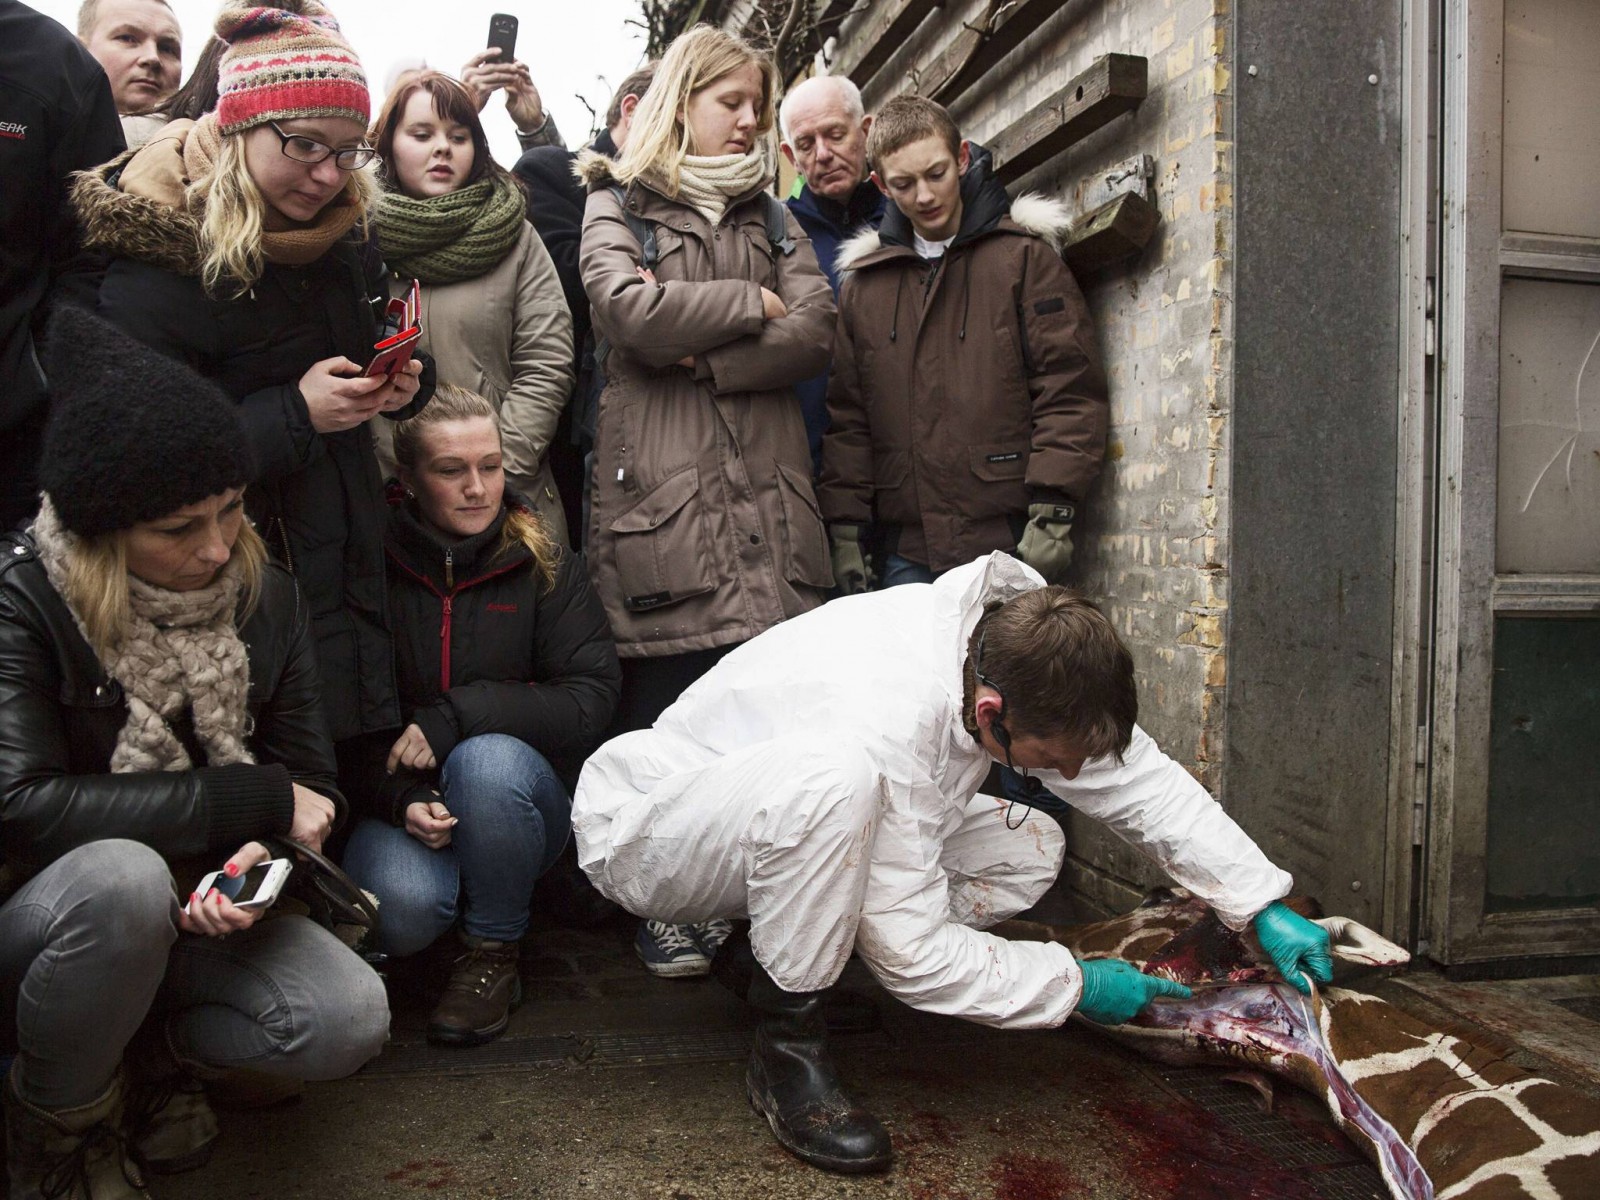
1441,1113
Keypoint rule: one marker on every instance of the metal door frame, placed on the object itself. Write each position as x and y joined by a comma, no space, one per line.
1474,258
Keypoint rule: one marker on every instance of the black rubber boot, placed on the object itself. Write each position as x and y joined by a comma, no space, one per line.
791,1082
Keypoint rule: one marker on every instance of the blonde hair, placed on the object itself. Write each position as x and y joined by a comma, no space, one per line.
97,584
234,220
658,140
522,527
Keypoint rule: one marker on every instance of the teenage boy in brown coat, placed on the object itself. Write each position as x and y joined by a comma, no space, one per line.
968,403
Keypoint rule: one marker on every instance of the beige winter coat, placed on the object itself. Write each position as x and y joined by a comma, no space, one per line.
506,335
704,528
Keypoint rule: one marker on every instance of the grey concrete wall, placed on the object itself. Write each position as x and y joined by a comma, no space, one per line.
1313,426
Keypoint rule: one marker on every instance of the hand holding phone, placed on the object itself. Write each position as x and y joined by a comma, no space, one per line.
212,914
503,36
257,887
337,396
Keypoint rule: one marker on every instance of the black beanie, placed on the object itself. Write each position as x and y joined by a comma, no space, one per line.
133,435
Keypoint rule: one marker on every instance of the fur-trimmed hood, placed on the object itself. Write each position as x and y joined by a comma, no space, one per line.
594,170
138,227
1032,214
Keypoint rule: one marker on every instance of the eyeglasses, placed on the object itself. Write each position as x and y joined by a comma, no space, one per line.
309,150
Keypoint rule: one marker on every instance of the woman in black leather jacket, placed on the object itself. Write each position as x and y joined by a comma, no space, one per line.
505,663
159,712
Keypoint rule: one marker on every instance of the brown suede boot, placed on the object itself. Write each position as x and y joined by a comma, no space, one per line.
169,1122
71,1153
483,990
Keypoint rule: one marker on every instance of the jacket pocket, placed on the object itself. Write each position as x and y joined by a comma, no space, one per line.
1000,469
995,463
806,557
663,551
761,265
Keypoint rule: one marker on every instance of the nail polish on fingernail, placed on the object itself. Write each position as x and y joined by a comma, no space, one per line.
231,870
213,894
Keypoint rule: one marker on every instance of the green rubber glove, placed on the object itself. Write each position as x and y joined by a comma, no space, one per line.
852,568
1293,943
1046,543
1115,991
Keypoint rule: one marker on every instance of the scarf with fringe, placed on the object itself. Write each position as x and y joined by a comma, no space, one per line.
182,651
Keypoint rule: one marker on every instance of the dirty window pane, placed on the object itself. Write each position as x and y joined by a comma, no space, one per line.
1548,513
1544,791
1551,152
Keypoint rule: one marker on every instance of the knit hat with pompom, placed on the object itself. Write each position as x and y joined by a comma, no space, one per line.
285,61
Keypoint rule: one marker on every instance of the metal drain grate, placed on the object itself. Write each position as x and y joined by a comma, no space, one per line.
1587,1007
1332,1171
504,1054
654,1049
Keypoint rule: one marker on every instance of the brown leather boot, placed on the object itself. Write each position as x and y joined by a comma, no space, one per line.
483,990
70,1153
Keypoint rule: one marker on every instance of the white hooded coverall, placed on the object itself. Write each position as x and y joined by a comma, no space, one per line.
819,781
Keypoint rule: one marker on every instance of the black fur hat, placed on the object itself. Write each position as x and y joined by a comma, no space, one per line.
133,435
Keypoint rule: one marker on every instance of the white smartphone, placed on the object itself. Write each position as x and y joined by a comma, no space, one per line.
256,888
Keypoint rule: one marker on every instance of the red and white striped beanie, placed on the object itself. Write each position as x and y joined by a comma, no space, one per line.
286,61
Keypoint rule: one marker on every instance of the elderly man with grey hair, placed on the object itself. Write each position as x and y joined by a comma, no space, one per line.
825,138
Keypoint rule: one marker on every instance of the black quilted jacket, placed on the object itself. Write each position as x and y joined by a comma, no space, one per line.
483,646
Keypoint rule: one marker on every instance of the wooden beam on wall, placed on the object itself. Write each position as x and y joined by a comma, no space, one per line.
1115,231
1114,84
882,31
974,52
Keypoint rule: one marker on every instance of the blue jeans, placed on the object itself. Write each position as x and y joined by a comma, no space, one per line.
897,570
514,818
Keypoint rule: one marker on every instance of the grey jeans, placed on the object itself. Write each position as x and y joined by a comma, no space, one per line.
90,948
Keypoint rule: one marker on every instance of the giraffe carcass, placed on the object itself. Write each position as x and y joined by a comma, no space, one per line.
1444,1117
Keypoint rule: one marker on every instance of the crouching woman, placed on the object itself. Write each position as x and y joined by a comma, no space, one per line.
506,665
159,714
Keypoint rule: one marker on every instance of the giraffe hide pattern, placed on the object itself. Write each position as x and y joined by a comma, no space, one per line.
1440,1111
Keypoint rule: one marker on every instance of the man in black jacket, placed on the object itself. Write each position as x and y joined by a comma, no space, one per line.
555,207
56,116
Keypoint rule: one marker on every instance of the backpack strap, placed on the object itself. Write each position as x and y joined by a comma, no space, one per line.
778,226
643,230
649,255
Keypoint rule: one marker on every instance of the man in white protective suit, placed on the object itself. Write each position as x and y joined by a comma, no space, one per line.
822,780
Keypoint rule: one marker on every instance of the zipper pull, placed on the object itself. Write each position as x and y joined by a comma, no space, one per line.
444,625
449,571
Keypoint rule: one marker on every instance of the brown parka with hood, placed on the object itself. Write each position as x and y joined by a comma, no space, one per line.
965,389
704,528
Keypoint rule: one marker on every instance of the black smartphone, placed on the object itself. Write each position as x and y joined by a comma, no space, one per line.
503,36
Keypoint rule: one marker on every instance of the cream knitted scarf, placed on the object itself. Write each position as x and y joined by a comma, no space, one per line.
182,651
707,182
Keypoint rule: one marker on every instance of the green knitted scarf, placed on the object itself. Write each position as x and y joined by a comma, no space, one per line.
445,239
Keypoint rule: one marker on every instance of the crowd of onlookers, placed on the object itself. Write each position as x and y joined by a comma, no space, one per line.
256,595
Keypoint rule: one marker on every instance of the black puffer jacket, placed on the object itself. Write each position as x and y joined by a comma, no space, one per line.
482,646
60,715
318,497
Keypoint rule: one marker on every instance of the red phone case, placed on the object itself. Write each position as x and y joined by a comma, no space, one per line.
394,351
